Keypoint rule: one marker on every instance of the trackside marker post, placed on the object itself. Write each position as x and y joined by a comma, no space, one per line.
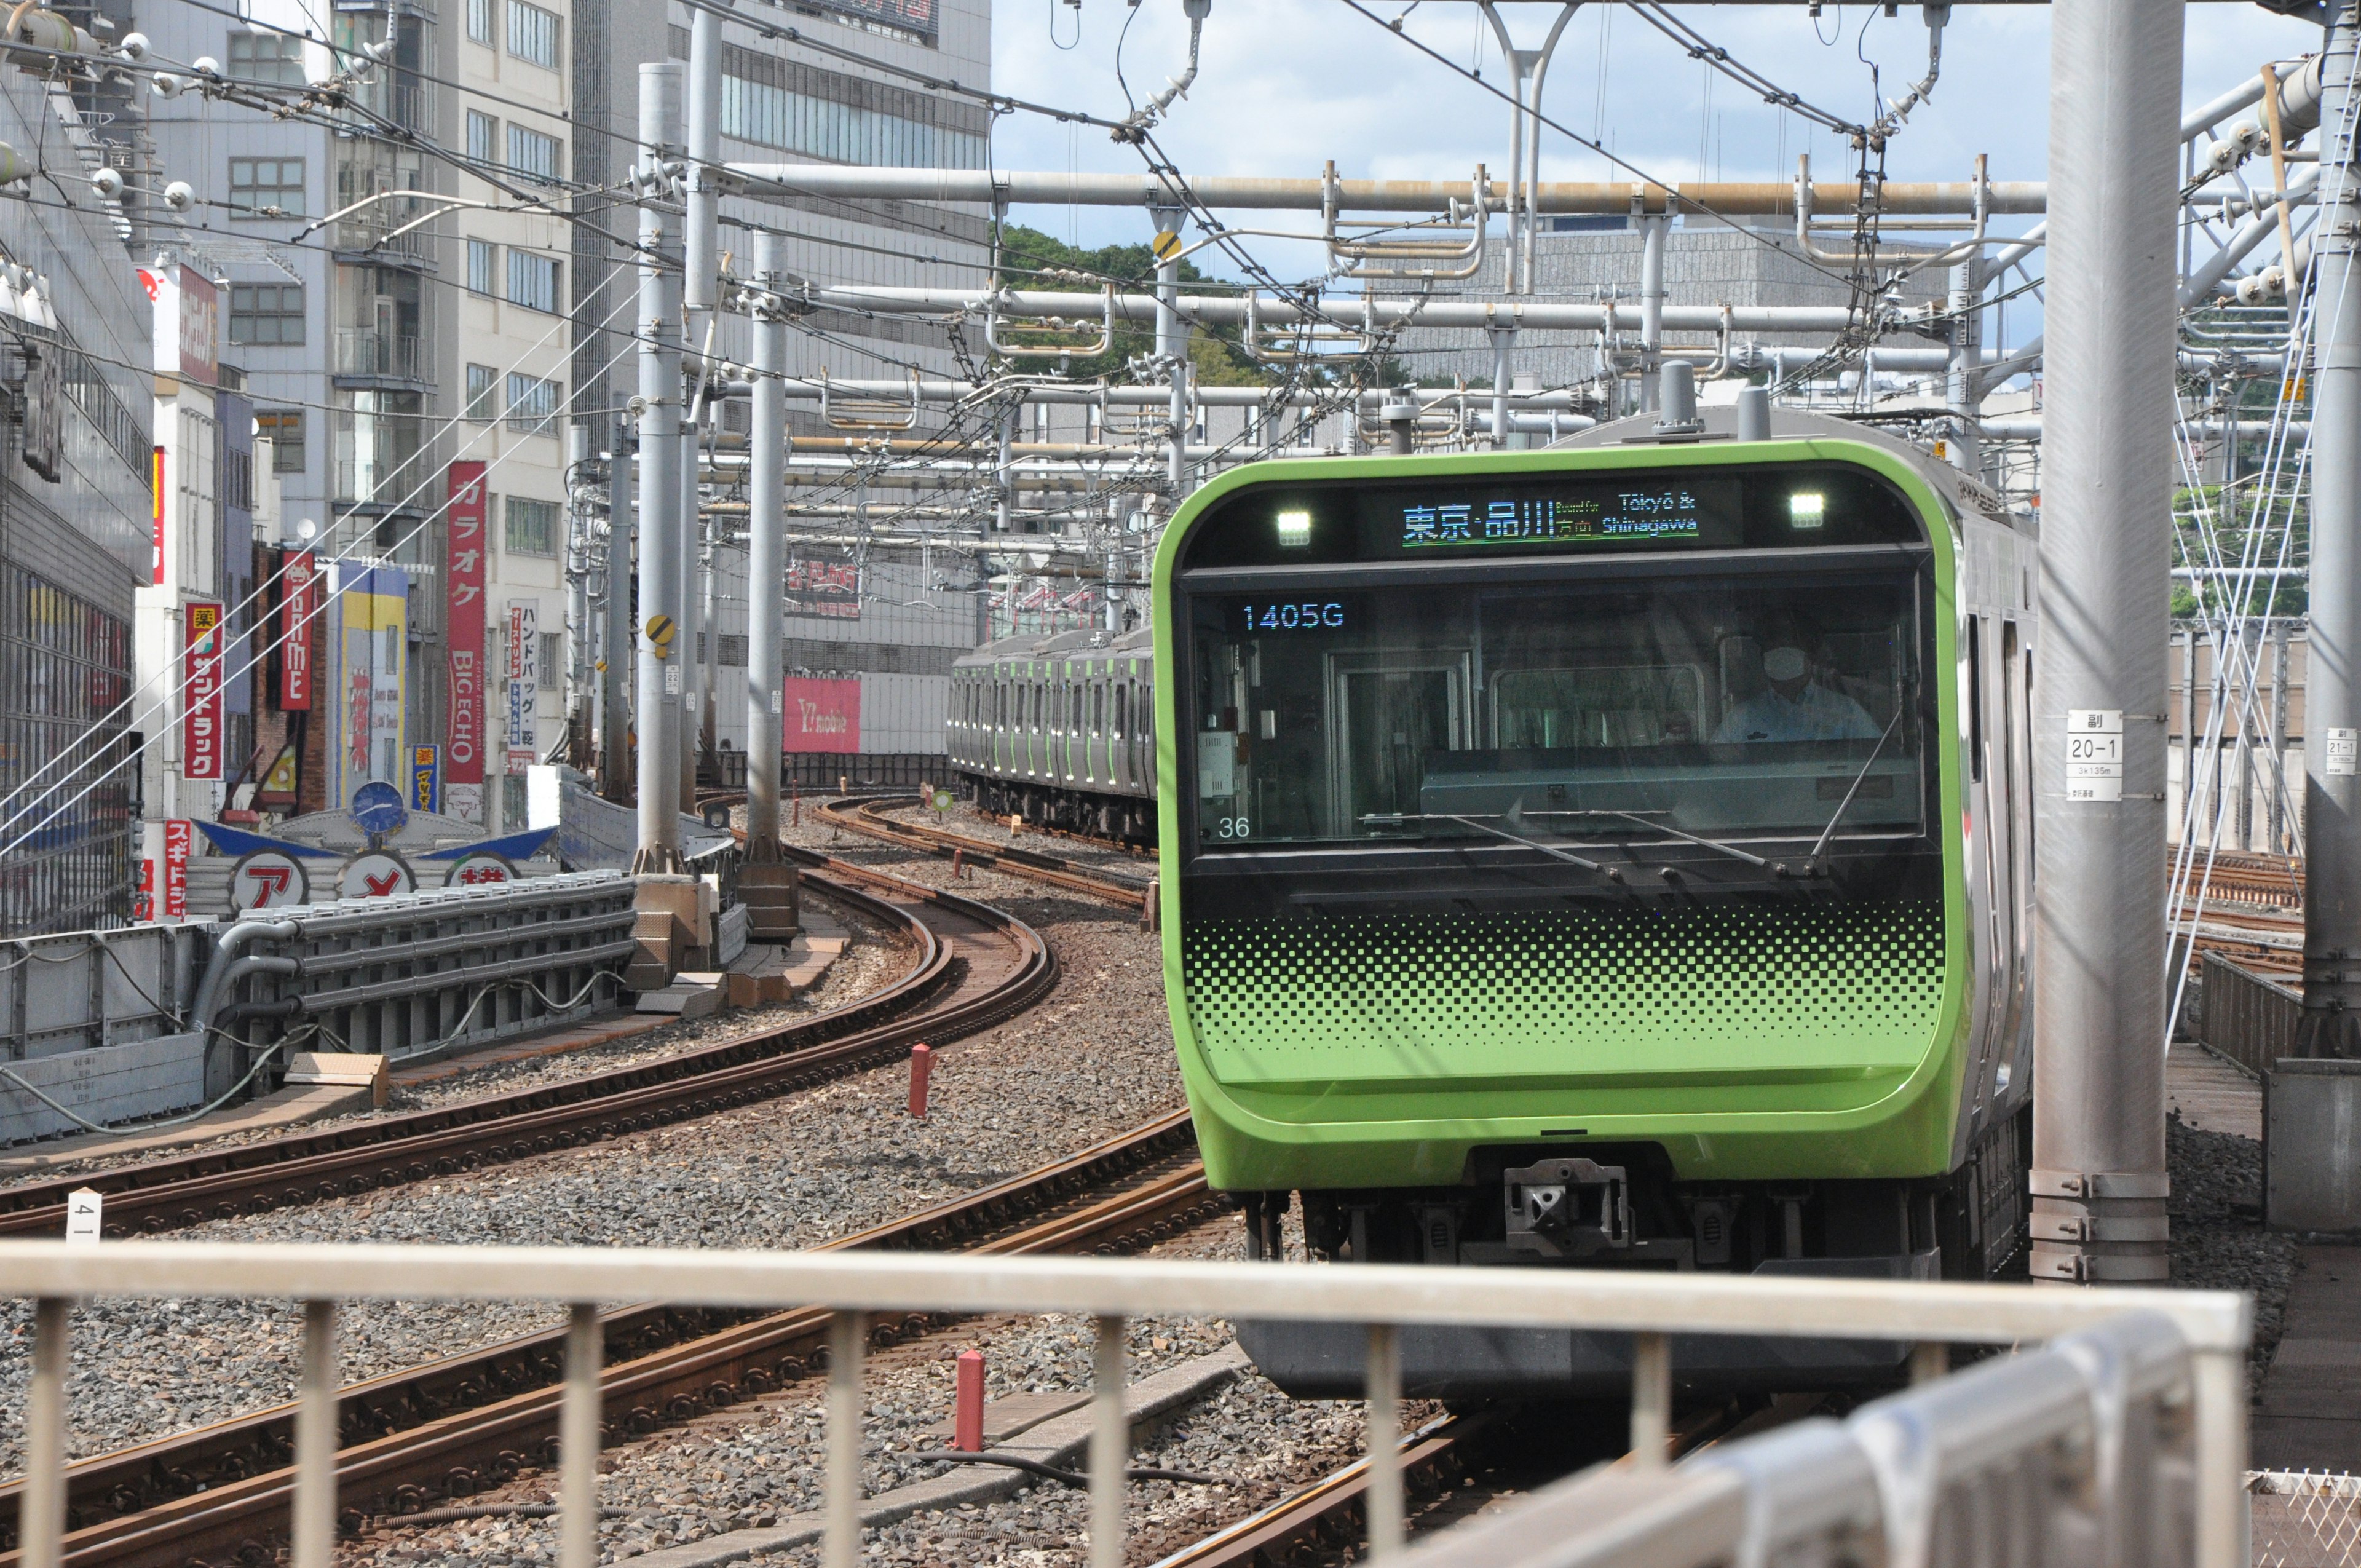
85,1215
922,1067
967,1420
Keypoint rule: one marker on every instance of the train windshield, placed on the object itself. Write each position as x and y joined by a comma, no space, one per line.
1750,707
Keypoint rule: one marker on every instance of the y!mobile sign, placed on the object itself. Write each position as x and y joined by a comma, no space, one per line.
201,719
463,758
299,600
819,715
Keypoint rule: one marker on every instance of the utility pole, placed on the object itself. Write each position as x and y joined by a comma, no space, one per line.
661,655
579,700
614,760
766,884
2099,1182
1964,385
692,598
2331,1026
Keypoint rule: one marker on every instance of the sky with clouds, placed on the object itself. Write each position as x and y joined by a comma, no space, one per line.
1286,85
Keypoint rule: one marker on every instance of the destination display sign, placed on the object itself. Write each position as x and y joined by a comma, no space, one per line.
1567,514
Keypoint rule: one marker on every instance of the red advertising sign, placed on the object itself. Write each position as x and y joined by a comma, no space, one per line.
829,589
299,604
462,756
156,483
819,715
179,836
201,694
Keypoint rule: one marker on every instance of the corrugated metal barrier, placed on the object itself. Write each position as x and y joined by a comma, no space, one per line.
426,973
2248,1017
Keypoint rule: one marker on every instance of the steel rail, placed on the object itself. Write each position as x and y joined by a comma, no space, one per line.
413,1437
932,1001
866,814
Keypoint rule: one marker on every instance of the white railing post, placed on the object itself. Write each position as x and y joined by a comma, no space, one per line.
848,1334
1383,1507
42,1525
1652,1399
578,1441
1929,1359
2218,1385
315,1440
1110,1446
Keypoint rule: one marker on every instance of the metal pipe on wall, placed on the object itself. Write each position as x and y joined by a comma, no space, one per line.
2331,1025
660,657
2099,1182
767,556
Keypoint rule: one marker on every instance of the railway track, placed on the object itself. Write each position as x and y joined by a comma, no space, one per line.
976,966
866,815
1328,1515
221,1494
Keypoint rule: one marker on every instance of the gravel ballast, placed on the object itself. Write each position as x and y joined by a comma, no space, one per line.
1091,1061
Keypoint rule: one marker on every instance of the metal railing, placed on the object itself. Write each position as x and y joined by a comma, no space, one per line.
363,351
426,973
2144,1381
2082,1451
2247,1017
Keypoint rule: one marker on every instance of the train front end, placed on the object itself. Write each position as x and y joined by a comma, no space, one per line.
1561,866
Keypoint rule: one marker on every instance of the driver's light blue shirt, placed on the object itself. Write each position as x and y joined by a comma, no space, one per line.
1814,714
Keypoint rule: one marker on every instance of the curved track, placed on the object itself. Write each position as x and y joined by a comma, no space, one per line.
867,815
975,967
408,1440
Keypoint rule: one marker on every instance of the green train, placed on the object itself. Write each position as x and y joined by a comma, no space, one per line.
1614,856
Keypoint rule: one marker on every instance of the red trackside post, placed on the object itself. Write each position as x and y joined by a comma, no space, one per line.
922,1067
967,1420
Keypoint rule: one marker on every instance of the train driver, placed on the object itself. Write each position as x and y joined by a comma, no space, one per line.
1792,705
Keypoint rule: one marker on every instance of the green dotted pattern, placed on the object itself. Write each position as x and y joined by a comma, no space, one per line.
1564,994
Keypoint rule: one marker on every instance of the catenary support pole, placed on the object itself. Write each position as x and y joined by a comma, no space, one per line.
1504,344
661,655
579,699
2099,1183
708,619
1651,305
766,565
2331,1026
1173,343
1963,387
692,594
699,291
614,762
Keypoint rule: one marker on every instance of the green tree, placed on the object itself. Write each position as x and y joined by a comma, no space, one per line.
1030,260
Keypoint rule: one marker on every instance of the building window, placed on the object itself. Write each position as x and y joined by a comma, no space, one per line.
266,314
483,392
483,267
535,156
283,428
267,187
532,404
532,528
533,281
553,649
483,137
479,20
266,57
534,35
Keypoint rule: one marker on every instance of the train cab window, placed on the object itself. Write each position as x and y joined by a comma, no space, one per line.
1759,704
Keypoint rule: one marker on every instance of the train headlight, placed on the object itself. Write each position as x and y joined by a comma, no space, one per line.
1806,508
1294,530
